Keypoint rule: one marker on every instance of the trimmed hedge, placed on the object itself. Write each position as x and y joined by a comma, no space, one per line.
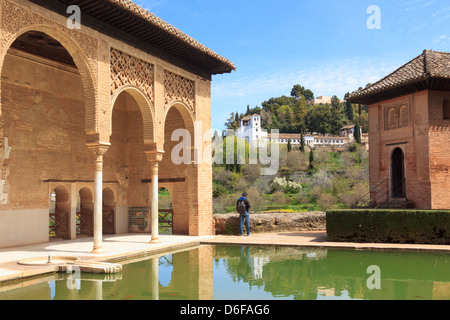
389,226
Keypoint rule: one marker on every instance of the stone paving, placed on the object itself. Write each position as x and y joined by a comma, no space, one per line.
132,245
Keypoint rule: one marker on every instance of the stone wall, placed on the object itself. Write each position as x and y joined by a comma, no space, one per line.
439,137
271,222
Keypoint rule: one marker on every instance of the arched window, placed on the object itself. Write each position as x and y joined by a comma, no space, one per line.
404,117
446,109
392,119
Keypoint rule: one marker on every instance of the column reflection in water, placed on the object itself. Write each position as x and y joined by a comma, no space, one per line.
254,273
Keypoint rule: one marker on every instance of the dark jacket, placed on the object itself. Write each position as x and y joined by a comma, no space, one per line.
247,204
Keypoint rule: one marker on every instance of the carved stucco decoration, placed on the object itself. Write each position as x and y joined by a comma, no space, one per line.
178,88
128,70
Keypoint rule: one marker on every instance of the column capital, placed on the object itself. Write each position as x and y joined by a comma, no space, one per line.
98,148
154,156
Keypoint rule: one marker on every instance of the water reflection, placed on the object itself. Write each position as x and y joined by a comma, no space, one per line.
252,273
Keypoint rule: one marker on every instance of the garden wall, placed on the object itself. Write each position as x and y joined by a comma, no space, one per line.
271,222
390,226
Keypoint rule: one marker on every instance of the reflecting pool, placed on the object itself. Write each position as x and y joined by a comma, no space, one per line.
254,273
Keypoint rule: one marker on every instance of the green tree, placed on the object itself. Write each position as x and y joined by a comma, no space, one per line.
231,123
308,94
357,133
363,121
285,114
311,161
335,102
289,145
348,108
297,91
302,143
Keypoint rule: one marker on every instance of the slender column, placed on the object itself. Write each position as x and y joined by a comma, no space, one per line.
154,157
155,278
154,190
98,199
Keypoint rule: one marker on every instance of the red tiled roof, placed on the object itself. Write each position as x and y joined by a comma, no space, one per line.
132,24
413,76
151,18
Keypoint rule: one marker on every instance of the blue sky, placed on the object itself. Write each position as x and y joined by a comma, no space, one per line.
324,45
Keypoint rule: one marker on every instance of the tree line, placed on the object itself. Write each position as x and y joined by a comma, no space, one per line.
297,113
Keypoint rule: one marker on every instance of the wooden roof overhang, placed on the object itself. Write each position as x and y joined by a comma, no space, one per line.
428,71
129,23
427,83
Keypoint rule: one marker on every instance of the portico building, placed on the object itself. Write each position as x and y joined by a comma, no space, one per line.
87,116
409,121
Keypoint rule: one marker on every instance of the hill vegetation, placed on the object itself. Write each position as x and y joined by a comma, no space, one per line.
307,180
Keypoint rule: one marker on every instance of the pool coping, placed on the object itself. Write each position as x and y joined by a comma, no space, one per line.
131,246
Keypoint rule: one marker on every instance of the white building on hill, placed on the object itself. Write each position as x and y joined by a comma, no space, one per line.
251,131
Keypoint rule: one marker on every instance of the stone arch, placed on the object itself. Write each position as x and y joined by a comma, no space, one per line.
62,200
86,200
186,114
109,198
174,110
398,185
109,211
169,189
179,164
146,107
80,60
59,212
165,203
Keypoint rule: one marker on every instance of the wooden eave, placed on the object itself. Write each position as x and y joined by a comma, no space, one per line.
115,21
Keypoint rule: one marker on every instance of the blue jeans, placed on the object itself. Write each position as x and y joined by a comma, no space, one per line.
245,217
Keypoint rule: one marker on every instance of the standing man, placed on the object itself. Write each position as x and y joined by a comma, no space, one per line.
243,208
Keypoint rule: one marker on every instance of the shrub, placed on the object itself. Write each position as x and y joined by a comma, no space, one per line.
219,190
349,198
256,199
391,226
301,197
262,185
279,198
326,201
323,180
284,185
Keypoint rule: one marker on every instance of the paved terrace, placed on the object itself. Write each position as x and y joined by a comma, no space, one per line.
132,245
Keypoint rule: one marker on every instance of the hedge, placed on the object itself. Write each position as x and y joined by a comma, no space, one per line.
389,226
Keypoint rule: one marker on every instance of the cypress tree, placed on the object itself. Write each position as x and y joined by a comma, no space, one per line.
357,133
311,161
302,143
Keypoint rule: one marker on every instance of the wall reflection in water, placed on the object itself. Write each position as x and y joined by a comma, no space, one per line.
252,273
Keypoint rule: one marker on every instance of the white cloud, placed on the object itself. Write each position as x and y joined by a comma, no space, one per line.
328,79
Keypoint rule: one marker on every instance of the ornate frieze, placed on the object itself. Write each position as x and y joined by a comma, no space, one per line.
128,70
178,88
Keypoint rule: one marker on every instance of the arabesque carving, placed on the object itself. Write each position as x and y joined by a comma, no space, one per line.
128,70
179,88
